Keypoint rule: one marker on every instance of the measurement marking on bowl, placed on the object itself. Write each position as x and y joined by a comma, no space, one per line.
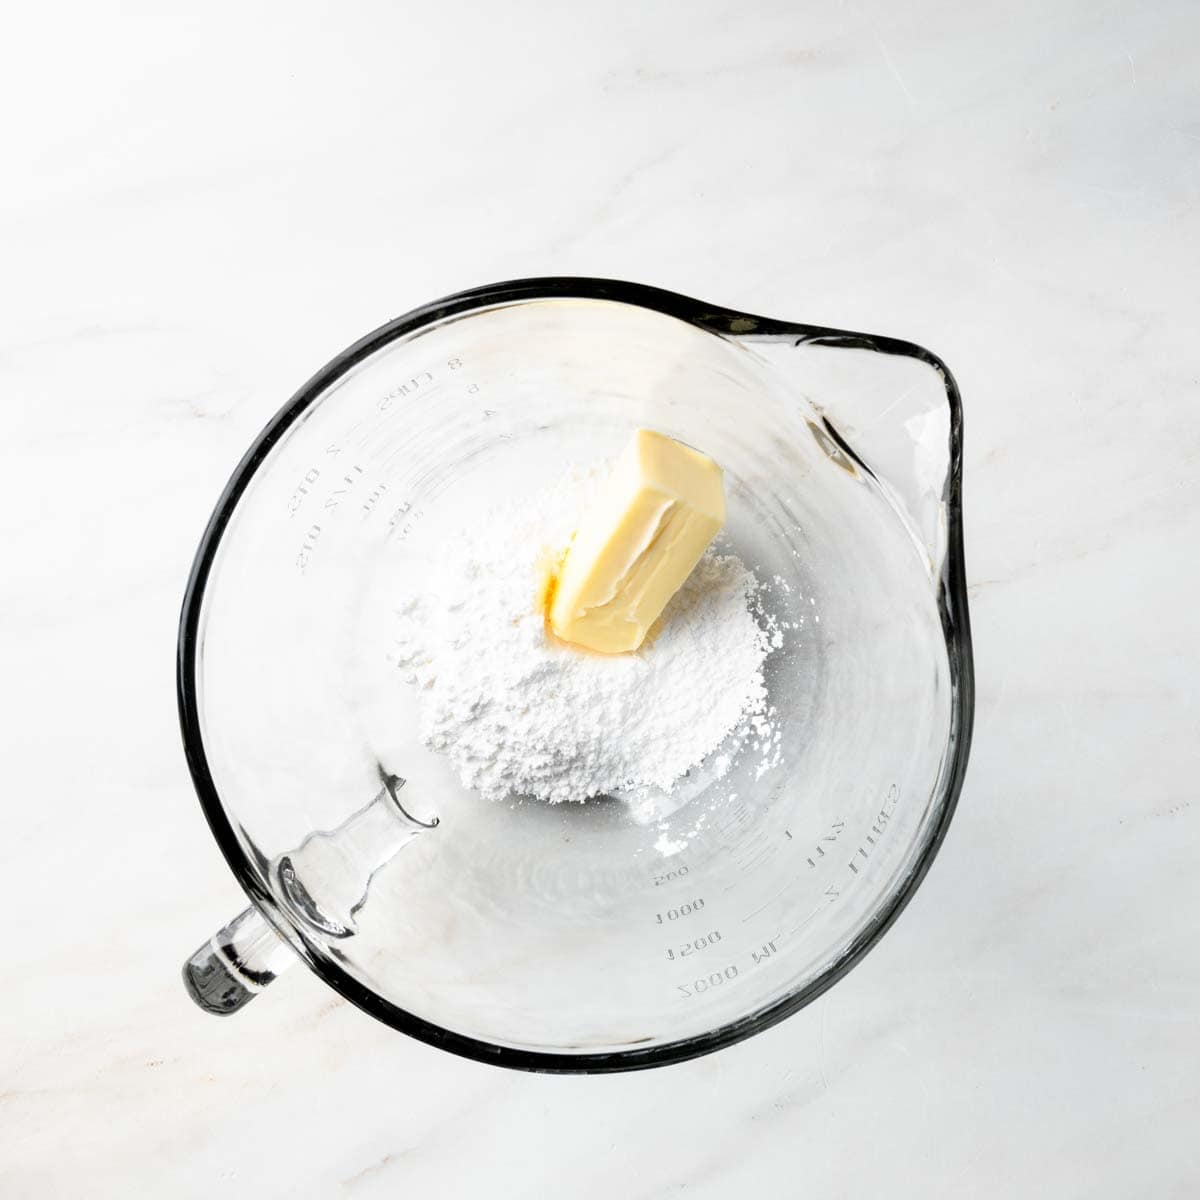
728,828
303,488
400,527
807,920
345,486
368,505
420,380
755,848
818,853
782,892
878,827
727,974
683,910
711,938
698,986
737,818
755,861
306,486
768,948
311,537
677,872
456,364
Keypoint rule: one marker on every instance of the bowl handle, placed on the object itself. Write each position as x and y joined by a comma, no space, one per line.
236,963
314,892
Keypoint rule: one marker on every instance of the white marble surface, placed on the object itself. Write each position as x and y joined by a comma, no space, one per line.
203,203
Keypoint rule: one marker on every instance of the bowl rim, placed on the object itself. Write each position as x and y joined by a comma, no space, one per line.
952,604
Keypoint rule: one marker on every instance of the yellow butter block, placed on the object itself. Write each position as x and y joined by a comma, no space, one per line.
656,515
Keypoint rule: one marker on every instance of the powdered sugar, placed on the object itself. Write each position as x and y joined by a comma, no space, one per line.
519,713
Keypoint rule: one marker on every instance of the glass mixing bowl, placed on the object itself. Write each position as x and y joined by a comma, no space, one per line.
579,937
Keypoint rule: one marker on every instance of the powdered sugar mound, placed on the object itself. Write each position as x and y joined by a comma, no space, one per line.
519,713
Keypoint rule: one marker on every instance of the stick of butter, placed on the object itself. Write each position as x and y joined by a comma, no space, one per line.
662,505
